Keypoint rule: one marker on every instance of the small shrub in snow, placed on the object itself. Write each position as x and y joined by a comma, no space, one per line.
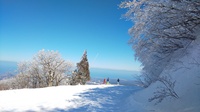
167,90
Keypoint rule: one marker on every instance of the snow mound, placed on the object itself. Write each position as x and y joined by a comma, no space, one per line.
187,77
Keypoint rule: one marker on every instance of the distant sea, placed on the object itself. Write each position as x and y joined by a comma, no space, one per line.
126,77
114,74
7,67
97,74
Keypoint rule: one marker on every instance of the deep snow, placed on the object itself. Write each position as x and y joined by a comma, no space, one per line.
187,77
80,98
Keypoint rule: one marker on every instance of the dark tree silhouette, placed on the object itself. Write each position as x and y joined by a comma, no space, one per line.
82,74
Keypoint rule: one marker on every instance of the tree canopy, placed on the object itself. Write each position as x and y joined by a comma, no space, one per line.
162,31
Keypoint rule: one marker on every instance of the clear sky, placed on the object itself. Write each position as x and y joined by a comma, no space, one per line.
67,26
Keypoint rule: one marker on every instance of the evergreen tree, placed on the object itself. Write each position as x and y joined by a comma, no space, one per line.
82,74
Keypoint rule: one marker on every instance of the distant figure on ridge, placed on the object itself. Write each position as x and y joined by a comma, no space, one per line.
107,80
104,81
118,81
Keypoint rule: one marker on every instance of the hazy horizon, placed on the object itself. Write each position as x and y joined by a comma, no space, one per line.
99,73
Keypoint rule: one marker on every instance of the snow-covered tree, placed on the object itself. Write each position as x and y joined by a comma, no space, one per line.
162,31
82,74
46,69
4,84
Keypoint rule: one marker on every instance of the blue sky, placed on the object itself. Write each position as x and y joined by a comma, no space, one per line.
67,26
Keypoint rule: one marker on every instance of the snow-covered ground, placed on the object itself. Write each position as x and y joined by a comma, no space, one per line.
80,98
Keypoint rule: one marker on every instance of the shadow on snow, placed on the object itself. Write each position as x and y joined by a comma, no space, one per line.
102,99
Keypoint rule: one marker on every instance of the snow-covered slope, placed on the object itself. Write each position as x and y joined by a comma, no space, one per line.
80,98
187,76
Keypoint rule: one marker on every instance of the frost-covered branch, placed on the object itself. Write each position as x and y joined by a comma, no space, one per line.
167,90
162,31
46,69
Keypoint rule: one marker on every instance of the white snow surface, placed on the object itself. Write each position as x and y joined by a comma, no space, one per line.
80,98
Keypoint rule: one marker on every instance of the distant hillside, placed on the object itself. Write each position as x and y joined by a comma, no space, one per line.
8,68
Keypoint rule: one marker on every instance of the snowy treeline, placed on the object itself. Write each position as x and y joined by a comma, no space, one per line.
163,31
47,68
